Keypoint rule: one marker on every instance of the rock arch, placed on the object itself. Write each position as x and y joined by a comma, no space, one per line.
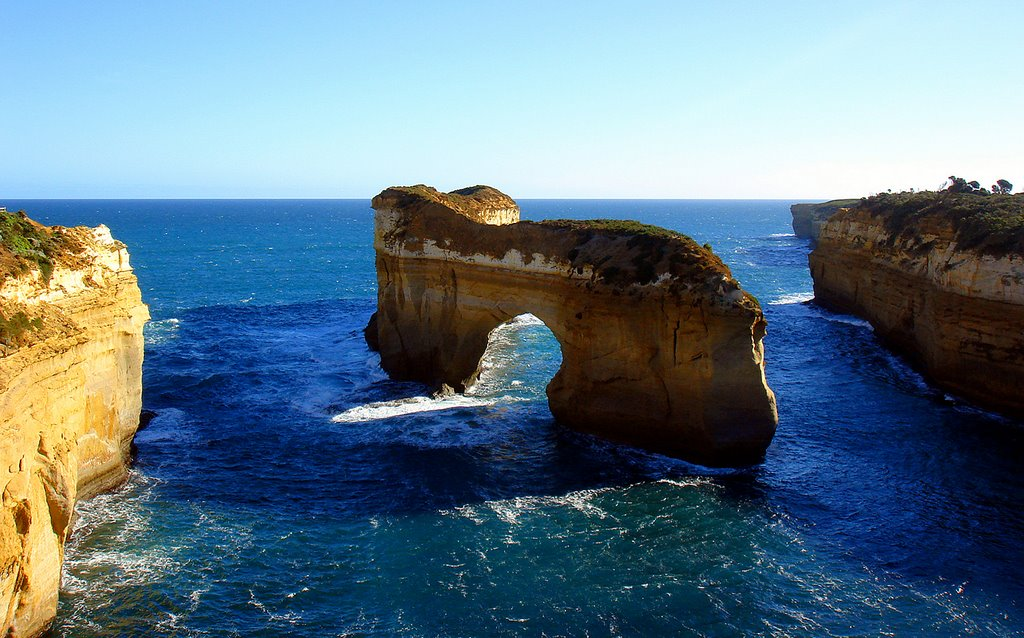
660,346
520,352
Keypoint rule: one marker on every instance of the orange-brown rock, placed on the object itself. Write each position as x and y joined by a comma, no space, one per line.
950,299
660,346
809,218
71,384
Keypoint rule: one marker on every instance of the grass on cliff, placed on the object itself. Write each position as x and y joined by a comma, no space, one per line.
15,328
26,245
835,204
652,250
617,226
992,224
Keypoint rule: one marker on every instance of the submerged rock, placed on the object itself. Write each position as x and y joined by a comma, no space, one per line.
71,319
661,348
941,278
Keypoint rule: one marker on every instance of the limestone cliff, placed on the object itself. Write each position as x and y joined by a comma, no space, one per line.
71,320
941,278
809,218
660,346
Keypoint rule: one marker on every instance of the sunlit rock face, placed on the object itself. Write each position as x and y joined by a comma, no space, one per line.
955,313
808,219
71,385
660,346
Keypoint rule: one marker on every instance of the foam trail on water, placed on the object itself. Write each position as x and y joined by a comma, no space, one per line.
849,320
791,298
411,405
511,510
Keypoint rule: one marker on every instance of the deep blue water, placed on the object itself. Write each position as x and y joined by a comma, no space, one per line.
287,487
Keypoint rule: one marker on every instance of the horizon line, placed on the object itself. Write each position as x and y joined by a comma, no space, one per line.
652,199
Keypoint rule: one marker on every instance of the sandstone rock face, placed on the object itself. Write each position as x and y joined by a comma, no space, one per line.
71,395
660,346
809,218
957,314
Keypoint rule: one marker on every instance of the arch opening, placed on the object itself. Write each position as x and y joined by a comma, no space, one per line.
521,358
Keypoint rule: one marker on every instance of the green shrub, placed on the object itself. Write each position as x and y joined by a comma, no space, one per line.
991,224
13,329
28,245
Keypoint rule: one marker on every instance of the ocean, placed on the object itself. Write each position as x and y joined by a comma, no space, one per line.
287,487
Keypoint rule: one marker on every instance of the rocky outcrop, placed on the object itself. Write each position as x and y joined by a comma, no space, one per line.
661,348
809,218
70,377
938,286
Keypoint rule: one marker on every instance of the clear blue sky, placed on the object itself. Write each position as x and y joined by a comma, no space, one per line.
541,99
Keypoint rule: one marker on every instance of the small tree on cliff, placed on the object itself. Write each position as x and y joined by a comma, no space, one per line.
1002,187
961,185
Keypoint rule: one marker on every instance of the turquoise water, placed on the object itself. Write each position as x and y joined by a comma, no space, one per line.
287,487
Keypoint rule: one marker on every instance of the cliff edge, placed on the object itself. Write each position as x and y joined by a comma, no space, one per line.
940,276
71,319
809,218
661,348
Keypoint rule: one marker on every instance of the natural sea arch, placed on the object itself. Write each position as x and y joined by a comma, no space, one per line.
660,346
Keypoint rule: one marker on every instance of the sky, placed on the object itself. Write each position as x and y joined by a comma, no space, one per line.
308,99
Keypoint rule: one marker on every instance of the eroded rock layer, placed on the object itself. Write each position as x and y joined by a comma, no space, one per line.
660,346
71,383
955,312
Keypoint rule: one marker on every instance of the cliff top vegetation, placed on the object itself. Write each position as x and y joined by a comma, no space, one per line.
25,244
632,252
991,223
832,205
617,226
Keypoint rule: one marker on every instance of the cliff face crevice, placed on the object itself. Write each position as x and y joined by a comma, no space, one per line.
71,382
955,313
660,346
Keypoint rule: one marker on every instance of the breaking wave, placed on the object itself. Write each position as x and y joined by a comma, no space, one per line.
792,298
404,407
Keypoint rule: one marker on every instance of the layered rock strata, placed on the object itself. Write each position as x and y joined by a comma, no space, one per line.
661,348
71,383
956,312
809,218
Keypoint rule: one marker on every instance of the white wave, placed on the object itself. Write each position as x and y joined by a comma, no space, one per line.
907,374
121,517
168,425
834,317
510,510
849,320
525,320
157,332
782,235
688,482
411,405
791,298
517,322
